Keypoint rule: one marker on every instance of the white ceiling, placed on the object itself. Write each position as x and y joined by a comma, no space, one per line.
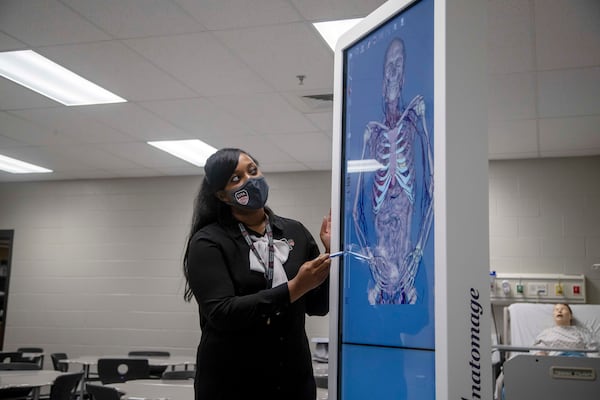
224,71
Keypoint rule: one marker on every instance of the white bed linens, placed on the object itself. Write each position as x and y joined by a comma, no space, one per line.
528,320
565,337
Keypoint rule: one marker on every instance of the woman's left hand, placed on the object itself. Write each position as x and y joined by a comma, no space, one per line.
326,232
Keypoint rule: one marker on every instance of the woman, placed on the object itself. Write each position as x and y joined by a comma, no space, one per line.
564,335
254,275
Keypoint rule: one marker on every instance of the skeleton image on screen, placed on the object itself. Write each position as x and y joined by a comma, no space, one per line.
398,196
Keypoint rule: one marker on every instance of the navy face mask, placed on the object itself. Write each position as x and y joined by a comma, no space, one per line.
252,195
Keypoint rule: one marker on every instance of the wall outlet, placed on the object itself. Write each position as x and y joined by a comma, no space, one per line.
537,289
558,289
595,267
519,288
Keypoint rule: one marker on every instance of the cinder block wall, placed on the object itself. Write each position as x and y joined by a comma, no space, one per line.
545,217
96,266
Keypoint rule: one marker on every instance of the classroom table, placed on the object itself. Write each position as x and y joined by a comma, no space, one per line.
33,379
89,361
153,389
171,361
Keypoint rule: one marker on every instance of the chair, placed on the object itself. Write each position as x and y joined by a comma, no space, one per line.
64,386
102,392
17,356
30,349
15,393
115,370
58,366
11,356
155,370
19,366
150,353
37,359
7,365
183,374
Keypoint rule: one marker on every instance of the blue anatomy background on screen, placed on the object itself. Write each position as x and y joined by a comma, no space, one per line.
388,266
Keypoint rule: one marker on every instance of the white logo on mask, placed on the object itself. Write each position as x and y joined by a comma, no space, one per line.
242,197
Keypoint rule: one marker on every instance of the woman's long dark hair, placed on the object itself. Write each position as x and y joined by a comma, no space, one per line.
207,207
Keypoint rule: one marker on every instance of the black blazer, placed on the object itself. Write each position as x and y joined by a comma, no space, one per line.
253,343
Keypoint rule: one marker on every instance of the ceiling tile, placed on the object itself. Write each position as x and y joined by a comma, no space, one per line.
47,22
305,147
570,92
321,165
319,10
513,137
137,172
281,55
25,131
579,136
179,171
511,96
6,141
42,157
285,166
243,141
54,176
15,97
265,151
136,18
133,120
144,155
323,121
118,69
8,43
567,33
91,155
510,36
265,113
75,126
200,119
228,14
200,61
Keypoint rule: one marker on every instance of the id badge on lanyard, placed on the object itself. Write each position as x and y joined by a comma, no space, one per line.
271,258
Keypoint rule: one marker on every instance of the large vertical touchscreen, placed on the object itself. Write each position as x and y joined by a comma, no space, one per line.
387,195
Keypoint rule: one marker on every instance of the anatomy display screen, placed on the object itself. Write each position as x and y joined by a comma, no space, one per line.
387,217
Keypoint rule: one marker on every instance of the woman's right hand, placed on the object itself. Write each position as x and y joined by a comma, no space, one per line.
310,275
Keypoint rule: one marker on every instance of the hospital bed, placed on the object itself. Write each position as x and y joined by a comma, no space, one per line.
528,376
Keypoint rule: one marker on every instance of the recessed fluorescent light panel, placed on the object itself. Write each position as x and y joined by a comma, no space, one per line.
193,151
36,72
332,30
15,166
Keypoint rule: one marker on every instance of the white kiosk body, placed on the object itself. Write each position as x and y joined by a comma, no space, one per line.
410,312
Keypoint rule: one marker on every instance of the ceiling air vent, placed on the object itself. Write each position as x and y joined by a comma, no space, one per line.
310,102
322,97
318,102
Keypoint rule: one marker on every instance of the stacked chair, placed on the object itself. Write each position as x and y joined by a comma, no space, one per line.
155,370
58,366
16,361
98,392
65,386
39,359
178,375
13,361
116,370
